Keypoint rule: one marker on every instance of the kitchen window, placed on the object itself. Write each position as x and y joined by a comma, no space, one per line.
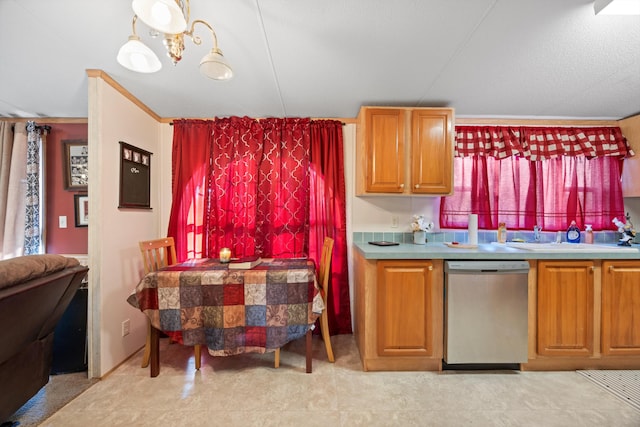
528,176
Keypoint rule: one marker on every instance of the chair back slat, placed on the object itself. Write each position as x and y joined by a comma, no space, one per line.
325,266
157,253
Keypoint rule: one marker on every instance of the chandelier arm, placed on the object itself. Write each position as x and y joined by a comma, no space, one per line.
133,24
196,39
185,5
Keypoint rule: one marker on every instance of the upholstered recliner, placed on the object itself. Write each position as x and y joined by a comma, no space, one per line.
35,290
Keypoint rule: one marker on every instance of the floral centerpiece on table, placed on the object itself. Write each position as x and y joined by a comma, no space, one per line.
419,223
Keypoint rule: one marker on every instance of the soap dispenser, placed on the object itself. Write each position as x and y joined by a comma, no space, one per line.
588,233
573,233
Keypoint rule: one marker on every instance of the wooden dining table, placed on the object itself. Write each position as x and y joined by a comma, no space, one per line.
231,311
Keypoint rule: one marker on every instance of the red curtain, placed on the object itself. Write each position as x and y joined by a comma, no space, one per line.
191,144
259,189
327,217
575,176
272,187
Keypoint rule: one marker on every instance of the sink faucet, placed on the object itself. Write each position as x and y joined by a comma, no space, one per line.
536,233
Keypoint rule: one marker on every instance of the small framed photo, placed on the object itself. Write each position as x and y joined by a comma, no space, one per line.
81,202
75,164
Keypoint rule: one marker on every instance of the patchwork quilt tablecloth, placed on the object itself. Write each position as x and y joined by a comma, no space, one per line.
232,311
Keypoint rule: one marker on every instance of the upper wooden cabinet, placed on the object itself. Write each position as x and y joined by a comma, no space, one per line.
406,151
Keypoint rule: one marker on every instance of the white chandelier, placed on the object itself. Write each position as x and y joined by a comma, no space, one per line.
169,18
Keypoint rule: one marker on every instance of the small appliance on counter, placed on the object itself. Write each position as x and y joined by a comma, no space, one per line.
626,229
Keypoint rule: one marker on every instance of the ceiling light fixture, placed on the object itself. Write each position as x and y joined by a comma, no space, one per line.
617,7
171,19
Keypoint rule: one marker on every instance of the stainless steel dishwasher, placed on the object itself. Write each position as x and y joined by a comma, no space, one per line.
486,312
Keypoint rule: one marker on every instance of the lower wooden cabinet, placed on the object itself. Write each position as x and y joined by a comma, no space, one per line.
621,308
585,314
405,306
398,313
565,308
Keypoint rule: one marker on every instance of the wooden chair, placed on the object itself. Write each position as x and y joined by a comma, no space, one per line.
323,280
157,254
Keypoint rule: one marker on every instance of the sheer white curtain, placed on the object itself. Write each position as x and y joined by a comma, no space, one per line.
20,189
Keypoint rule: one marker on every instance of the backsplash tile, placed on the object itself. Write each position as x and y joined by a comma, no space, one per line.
484,236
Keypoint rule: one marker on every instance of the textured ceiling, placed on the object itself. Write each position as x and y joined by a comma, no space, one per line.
493,58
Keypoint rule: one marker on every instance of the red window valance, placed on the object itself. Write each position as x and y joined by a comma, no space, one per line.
540,143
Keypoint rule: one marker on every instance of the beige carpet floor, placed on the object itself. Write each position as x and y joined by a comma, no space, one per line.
246,390
60,390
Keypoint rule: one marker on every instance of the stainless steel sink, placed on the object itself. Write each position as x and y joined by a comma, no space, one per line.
567,247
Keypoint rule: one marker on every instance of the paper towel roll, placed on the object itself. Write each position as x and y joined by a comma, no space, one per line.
473,229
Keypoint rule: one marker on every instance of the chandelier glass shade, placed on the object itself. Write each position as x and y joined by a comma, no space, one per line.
170,18
165,16
136,56
215,67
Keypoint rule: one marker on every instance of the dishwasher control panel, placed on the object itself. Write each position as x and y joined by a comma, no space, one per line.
479,266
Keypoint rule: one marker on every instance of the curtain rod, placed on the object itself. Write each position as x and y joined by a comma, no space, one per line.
317,120
45,127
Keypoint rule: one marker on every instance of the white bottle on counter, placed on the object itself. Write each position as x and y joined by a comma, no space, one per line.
588,234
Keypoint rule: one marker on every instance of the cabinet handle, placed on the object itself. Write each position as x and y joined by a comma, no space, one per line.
611,268
592,269
430,268
417,186
401,186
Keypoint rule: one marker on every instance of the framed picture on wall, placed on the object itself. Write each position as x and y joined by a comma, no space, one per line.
81,208
75,155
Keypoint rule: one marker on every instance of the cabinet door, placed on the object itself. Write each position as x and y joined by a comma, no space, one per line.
621,308
565,308
404,308
385,144
431,151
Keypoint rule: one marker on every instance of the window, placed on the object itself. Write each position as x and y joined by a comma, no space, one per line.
536,176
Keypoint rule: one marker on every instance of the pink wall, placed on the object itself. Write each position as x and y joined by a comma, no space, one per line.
70,240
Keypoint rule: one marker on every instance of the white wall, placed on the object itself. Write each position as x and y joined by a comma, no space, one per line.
632,206
114,258
165,191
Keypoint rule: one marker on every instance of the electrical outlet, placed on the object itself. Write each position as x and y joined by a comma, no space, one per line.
126,325
62,222
394,221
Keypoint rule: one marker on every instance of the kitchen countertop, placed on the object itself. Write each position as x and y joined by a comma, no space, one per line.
491,251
